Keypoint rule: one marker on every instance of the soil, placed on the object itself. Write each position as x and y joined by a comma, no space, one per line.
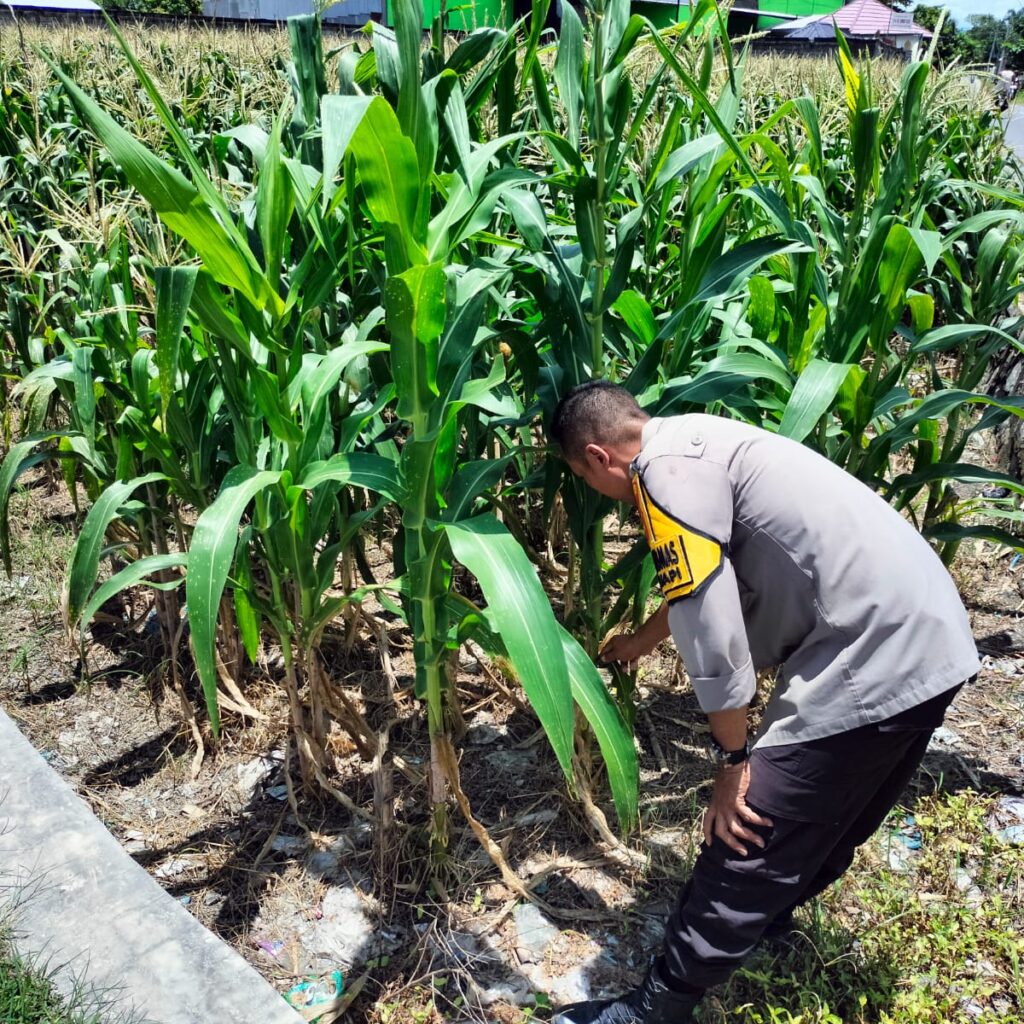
306,887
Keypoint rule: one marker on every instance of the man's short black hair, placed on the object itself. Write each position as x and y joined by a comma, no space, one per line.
597,412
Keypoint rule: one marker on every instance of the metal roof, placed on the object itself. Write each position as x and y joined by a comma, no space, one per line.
52,5
732,10
861,18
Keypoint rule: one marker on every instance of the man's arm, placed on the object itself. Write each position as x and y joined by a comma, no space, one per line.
709,631
728,815
729,727
686,505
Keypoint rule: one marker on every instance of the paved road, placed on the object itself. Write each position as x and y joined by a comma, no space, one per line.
1015,129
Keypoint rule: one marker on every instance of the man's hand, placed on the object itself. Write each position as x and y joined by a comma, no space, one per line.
626,649
728,815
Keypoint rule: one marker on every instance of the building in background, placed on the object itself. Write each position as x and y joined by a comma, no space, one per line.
346,12
28,10
867,24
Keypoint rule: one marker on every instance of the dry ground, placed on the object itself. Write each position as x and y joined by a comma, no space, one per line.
299,893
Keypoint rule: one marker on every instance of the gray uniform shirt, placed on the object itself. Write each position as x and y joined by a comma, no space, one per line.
770,555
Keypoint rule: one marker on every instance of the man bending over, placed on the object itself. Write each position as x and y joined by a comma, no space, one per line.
768,555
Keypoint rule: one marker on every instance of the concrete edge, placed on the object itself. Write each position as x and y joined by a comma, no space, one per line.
83,905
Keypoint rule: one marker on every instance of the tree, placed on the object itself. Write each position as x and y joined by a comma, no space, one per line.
985,39
179,7
951,43
1014,45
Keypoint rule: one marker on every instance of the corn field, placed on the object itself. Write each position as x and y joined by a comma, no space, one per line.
274,306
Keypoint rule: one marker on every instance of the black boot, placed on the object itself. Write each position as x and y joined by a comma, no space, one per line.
652,1003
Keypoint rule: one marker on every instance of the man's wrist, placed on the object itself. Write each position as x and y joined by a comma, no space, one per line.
726,758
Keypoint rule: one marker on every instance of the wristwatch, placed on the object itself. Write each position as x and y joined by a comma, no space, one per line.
728,758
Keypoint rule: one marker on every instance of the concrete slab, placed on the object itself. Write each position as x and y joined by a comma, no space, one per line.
90,907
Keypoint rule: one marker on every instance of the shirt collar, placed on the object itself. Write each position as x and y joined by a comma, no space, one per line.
647,434
650,429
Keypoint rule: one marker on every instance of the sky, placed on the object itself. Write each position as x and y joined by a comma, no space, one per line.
961,10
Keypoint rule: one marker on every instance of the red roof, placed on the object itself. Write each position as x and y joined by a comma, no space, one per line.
863,18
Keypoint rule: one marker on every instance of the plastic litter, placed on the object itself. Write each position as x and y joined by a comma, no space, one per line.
272,947
184,900
1007,820
909,835
278,792
151,627
995,492
316,992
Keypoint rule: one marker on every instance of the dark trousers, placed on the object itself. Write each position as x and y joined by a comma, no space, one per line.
824,797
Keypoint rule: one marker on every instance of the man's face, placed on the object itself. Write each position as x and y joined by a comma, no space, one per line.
606,470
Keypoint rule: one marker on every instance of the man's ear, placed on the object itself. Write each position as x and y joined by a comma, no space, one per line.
597,455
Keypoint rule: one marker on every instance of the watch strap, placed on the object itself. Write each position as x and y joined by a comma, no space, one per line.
730,757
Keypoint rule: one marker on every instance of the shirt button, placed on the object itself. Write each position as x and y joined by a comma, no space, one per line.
697,439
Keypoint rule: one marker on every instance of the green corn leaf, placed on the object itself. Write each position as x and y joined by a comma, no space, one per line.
718,379
815,391
981,222
700,98
471,479
922,312
613,735
339,119
275,203
389,172
937,406
129,576
682,160
730,271
361,469
529,217
929,244
307,49
761,311
174,287
246,616
210,556
942,339
212,198
635,310
519,611
274,406
85,556
569,72
251,136
901,261
85,397
413,115
473,49
415,313
962,471
480,391
177,202
324,379
953,532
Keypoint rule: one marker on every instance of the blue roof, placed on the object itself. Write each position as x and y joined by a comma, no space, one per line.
52,5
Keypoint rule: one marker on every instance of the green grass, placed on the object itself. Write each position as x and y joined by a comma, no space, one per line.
887,947
27,995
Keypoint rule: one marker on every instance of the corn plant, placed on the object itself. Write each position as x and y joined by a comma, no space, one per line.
248,314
